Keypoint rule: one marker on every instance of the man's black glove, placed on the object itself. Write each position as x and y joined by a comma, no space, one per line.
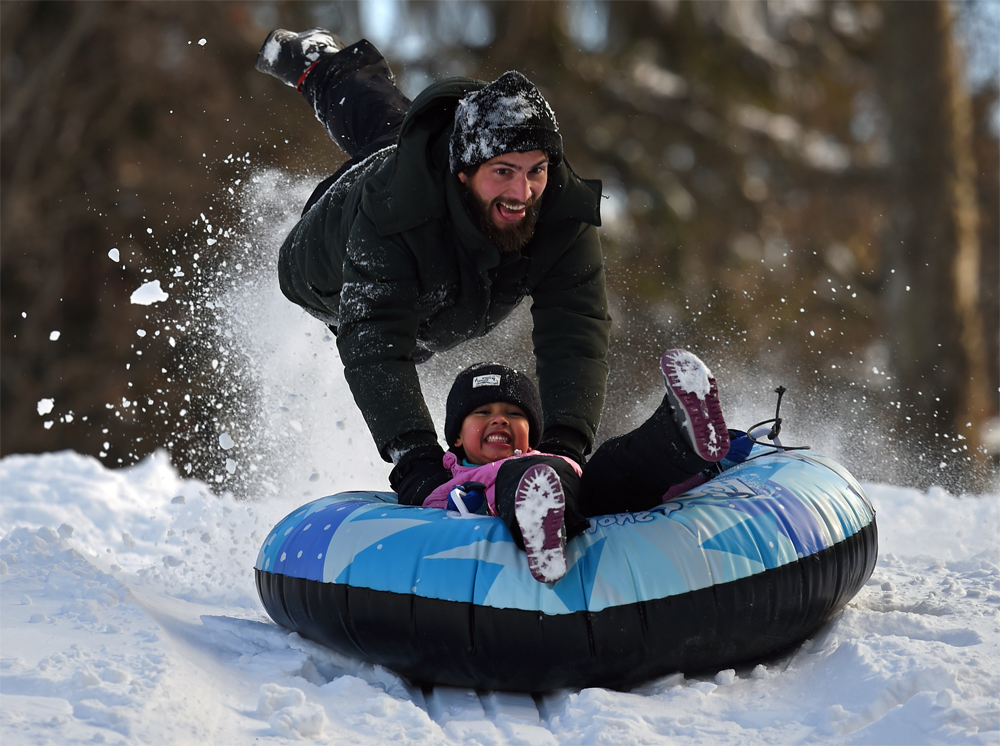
417,473
562,440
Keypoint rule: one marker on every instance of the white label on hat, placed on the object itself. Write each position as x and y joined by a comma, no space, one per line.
492,379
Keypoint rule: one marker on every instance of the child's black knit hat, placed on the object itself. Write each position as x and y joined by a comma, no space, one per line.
507,116
484,383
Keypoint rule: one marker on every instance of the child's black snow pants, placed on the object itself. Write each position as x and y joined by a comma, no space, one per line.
626,474
632,472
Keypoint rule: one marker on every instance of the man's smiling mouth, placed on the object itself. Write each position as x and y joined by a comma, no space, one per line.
511,210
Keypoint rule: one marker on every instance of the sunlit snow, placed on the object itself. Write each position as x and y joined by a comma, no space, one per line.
130,616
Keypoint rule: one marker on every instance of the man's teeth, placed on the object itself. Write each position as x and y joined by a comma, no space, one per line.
512,207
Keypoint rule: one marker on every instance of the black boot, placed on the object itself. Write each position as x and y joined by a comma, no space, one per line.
509,478
288,55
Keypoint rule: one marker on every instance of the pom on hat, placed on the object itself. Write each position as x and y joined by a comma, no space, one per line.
507,116
484,383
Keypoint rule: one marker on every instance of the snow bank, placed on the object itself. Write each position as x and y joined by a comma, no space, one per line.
129,615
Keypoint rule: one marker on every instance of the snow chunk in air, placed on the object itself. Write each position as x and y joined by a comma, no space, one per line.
148,294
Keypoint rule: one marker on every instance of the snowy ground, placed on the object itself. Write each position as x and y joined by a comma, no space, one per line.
129,615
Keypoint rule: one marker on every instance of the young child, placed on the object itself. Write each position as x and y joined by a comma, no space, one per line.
493,422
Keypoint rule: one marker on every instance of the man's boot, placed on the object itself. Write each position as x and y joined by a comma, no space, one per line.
289,56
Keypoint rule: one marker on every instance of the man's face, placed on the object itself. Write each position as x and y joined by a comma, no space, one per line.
506,191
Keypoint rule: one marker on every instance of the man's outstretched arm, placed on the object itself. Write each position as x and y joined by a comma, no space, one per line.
571,334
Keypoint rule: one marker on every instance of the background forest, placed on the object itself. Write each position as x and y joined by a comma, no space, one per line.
803,192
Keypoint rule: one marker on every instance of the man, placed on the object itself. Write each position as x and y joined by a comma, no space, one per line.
451,210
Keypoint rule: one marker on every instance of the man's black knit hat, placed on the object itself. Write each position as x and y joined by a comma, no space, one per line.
484,383
507,116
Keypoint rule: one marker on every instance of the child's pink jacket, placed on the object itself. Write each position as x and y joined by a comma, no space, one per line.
486,473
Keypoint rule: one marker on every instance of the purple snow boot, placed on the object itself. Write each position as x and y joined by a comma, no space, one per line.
539,505
694,402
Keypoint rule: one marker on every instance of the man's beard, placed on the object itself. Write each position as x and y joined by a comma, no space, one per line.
510,239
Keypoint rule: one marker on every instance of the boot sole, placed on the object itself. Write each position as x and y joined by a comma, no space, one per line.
694,395
539,506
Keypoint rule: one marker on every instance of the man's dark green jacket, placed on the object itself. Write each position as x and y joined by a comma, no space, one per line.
390,257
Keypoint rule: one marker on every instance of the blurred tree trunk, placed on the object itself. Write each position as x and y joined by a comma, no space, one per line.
933,317
109,113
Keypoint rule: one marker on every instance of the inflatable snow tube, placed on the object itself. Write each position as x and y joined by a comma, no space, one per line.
744,566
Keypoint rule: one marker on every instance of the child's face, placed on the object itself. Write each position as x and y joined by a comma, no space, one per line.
493,431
